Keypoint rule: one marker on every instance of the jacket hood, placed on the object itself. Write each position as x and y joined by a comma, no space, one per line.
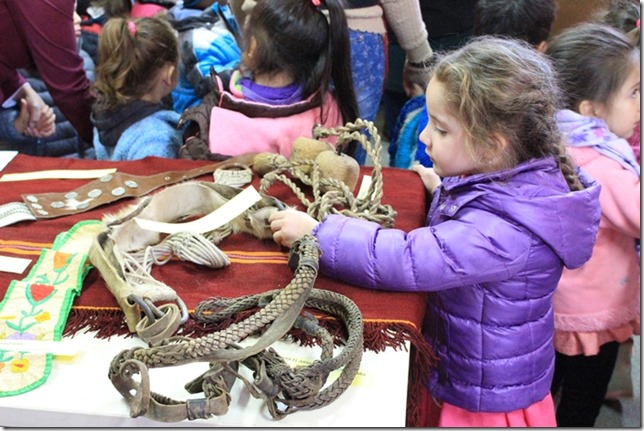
565,220
113,122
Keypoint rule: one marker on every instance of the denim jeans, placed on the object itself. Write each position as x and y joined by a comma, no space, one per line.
368,63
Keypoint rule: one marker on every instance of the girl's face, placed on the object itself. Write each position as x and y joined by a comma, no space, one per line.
622,112
444,136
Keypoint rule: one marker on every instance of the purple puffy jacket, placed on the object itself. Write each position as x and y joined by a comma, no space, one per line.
492,254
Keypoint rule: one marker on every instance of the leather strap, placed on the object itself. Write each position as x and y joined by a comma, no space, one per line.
113,187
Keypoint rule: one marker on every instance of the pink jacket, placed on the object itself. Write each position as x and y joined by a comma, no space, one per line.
238,126
599,302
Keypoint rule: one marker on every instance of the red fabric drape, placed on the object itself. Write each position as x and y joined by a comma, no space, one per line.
256,266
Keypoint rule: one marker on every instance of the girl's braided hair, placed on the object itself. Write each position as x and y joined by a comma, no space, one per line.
502,86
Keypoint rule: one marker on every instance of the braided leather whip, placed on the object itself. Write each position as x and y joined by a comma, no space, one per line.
274,381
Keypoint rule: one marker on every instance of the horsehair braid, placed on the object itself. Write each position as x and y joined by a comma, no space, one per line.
274,320
339,199
210,346
300,387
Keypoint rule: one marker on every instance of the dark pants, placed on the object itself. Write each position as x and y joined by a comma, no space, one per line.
583,381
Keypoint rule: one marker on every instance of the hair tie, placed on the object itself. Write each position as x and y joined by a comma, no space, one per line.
132,28
637,23
316,3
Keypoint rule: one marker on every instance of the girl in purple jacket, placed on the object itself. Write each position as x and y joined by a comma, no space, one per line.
508,213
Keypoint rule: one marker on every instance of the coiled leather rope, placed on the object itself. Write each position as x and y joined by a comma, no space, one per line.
275,382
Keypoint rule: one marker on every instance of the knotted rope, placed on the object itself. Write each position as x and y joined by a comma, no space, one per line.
331,196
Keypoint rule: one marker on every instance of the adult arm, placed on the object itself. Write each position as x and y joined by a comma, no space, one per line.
405,19
46,28
36,118
10,83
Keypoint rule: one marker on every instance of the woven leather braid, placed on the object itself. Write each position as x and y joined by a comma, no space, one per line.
280,311
300,387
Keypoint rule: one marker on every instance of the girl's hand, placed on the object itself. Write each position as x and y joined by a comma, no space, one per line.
290,225
430,179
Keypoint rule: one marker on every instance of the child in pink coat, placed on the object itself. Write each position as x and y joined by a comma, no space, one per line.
597,306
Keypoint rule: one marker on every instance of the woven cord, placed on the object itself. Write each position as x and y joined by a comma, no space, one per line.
279,312
338,199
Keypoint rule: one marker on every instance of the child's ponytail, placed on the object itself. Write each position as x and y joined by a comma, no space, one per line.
131,52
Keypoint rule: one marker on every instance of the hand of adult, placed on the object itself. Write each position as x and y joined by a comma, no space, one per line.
416,77
44,127
290,225
36,118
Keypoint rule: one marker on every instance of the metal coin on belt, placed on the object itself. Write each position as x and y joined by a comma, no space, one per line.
118,191
95,193
235,175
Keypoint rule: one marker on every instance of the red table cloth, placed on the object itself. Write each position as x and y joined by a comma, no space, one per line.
390,318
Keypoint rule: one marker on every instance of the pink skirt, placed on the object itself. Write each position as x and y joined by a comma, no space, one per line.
539,415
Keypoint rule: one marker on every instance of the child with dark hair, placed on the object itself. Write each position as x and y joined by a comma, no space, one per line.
597,306
373,24
624,15
295,73
527,20
509,211
138,69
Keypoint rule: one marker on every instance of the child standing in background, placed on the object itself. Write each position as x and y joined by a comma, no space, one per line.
624,15
597,306
368,22
510,213
138,68
295,73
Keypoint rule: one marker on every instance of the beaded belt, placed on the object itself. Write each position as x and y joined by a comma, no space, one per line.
37,307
